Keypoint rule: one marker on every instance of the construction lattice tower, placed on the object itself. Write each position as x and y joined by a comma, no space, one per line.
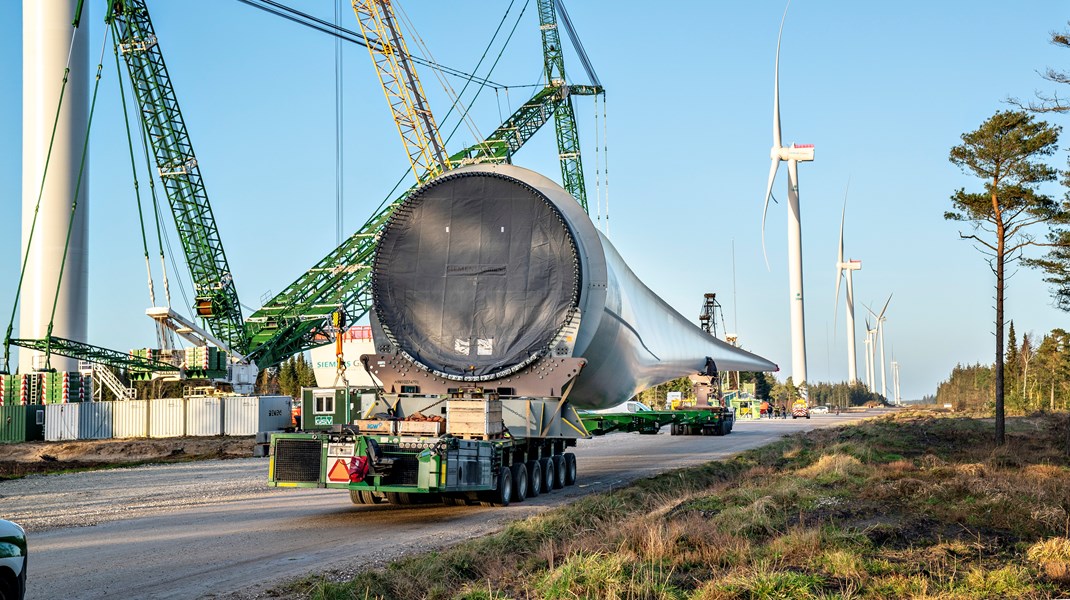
708,319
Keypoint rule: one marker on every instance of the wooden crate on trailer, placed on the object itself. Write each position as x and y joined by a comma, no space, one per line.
474,419
421,428
375,426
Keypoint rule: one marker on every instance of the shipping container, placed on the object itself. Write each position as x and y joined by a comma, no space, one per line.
130,419
167,417
204,416
61,422
20,423
94,420
247,415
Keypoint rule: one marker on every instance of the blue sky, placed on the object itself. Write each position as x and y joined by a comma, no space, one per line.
883,90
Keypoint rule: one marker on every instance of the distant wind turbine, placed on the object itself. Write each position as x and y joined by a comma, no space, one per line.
880,332
792,155
844,269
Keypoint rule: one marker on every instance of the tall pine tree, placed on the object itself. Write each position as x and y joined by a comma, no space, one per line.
1006,153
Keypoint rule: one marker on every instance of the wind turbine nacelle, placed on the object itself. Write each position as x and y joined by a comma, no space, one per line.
798,152
851,265
489,269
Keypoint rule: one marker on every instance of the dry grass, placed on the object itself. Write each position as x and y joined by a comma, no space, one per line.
913,506
1053,557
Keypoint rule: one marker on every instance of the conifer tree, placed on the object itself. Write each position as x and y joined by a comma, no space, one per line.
1005,152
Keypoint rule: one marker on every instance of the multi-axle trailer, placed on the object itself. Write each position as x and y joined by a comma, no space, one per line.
468,446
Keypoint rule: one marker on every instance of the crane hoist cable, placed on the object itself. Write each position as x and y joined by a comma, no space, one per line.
508,39
455,99
302,18
165,337
339,145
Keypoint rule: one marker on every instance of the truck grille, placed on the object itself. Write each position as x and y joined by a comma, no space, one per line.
298,461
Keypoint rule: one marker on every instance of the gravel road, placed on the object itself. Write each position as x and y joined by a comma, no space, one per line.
214,529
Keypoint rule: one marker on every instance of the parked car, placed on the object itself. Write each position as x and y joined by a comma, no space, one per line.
12,561
820,410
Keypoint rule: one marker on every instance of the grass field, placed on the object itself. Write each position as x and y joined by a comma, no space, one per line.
915,505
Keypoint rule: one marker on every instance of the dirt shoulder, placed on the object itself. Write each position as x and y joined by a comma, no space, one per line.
17,460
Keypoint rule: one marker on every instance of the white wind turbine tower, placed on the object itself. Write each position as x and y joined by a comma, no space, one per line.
871,334
895,381
880,332
847,268
792,155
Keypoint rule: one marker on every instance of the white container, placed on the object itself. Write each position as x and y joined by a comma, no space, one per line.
248,415
61,422
130,419
167,417
204,416
94,420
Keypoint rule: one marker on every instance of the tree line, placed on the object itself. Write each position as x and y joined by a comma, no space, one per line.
1036,376
286,379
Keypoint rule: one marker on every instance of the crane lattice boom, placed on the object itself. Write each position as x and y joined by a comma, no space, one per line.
401,84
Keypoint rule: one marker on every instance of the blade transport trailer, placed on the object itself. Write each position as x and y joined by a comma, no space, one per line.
465,444
438,440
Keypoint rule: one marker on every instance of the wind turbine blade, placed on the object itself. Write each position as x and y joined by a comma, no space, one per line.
870,311
885,307
765,209
843,216
776,82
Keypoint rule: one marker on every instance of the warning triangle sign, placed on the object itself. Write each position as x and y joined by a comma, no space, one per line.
339,472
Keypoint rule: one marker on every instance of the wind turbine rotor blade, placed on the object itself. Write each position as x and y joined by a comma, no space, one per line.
843,216
765,209
885,307
870,311
776,82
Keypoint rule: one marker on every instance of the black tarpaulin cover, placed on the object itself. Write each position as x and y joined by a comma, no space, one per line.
475,274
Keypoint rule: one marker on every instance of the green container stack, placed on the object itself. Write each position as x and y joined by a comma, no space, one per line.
9,390
22,423
146,353
206,362
44,388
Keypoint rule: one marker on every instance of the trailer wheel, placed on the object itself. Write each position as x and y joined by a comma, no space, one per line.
520,482
547,474
454,501
365,497
500,495
534,478
559,471
398,498
570,468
